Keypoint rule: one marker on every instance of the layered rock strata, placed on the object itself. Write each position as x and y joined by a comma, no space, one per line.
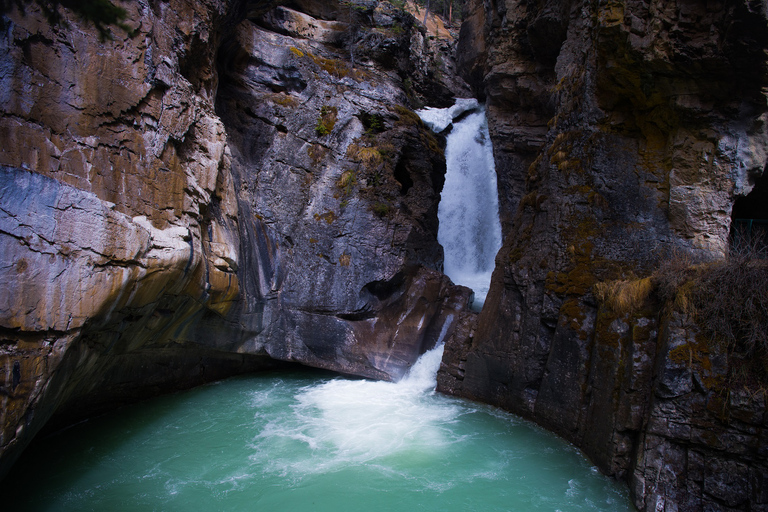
623,132
229,185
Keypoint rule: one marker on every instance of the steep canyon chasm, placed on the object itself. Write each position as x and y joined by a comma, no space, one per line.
241,183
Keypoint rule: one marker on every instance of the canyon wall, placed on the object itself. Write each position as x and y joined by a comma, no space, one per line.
220,187
232,185
623,133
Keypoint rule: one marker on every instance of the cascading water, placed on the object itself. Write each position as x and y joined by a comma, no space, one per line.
310,441
469,230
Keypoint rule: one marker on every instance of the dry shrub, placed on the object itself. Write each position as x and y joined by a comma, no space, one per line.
346,182
683,299
624,296
370,157
334,67
750,237
676,268
347,179
730,301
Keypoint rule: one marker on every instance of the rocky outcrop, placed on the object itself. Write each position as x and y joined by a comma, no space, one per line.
112,153
230,185
623,132
344,181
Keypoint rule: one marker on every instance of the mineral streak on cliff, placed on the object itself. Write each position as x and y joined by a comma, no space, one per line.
227,185
623,133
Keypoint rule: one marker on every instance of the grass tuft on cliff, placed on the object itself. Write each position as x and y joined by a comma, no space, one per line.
326,121
626,295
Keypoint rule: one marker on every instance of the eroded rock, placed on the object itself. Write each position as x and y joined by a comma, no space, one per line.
346,180
233,184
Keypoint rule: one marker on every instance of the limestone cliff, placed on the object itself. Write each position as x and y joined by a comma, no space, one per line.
228,185
623,132
345,181
238,183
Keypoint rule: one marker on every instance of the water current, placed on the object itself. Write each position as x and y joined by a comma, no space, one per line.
469,229
309,441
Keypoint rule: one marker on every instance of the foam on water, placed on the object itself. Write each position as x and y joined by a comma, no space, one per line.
362,421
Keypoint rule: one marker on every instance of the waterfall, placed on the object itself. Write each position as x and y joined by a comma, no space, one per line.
469,230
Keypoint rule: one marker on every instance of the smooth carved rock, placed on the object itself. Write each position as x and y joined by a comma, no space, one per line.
346,181
73,254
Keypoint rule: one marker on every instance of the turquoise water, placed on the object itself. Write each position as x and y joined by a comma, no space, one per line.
309,441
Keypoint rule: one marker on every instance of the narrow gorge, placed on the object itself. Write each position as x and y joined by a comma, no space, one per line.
225,187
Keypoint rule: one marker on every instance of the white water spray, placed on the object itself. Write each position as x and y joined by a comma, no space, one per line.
361,422
470,230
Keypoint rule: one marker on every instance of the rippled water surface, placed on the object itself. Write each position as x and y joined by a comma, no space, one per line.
309,441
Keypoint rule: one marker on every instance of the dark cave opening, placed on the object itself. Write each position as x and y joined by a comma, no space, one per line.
749,220
403,176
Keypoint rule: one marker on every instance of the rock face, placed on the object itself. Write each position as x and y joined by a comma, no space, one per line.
345,184
623,132
233,185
